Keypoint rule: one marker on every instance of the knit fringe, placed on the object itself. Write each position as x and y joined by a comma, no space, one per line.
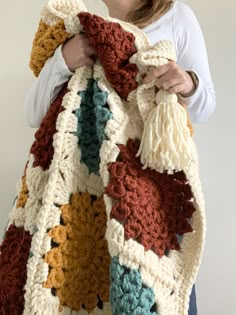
166,142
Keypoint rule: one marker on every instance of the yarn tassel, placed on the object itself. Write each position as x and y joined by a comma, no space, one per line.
166,142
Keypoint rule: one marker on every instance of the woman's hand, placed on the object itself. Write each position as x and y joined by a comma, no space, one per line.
78,52
171,78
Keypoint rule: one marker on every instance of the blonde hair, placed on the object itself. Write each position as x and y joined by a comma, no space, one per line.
148,11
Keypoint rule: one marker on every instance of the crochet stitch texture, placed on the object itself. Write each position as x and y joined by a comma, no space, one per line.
109,215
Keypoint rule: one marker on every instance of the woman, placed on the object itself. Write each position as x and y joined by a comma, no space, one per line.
160,20
163,19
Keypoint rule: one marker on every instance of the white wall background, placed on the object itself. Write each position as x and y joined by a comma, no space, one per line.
216,292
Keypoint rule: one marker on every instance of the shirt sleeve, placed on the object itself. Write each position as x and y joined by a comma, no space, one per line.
44,90
192,56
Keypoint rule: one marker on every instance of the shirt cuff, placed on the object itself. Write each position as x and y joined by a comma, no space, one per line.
189,100
61,64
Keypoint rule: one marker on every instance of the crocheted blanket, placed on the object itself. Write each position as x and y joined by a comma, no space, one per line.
109,214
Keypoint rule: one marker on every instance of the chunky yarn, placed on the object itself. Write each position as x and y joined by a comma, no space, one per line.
114,51
109,214
13,259
42,148
128,294
79,259
92,118
43,49
152,206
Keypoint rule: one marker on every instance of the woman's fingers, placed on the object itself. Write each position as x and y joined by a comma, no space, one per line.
167,83
89,50
170,77
176,89
77,52
156,73
88,61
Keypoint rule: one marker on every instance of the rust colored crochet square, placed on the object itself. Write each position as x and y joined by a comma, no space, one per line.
114,47
42,148
153,207
14,254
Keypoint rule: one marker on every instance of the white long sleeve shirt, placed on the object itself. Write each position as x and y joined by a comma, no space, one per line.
179,25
